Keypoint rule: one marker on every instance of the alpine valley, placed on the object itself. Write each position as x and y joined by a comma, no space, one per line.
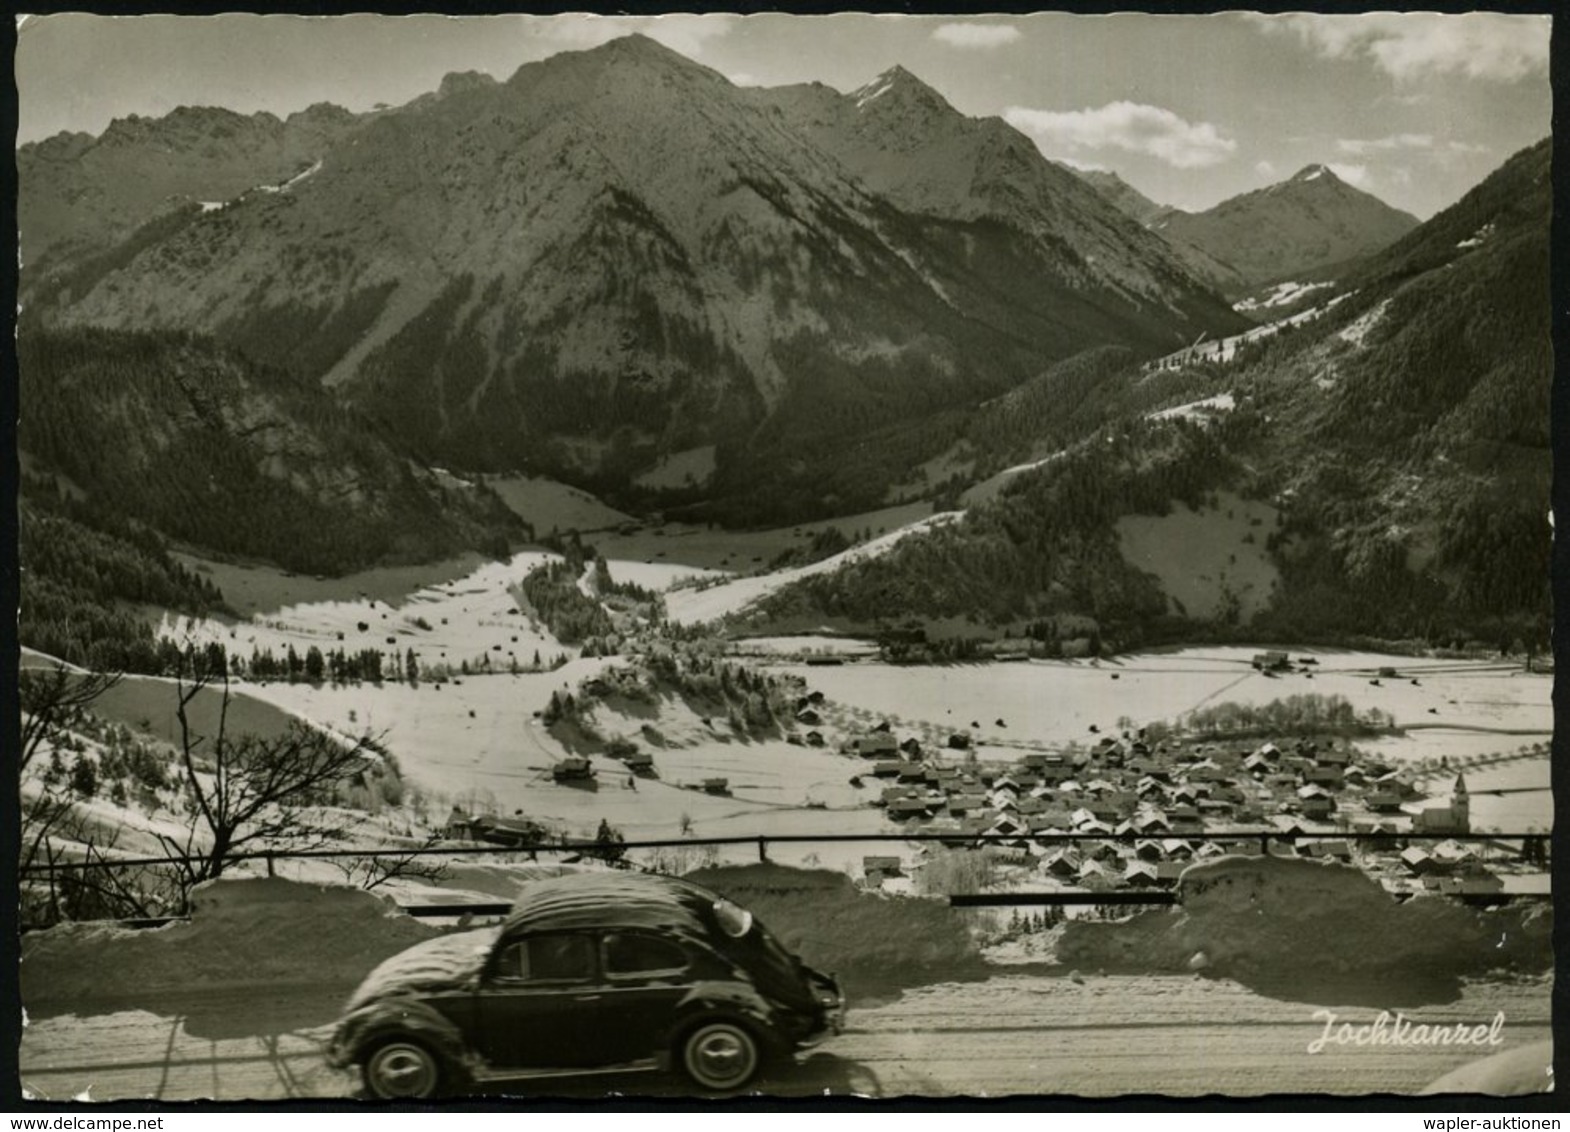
747,309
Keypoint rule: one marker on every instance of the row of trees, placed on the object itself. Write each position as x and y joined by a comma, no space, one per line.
1302,714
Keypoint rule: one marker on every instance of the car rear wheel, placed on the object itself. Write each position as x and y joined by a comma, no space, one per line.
720,1055
402,1070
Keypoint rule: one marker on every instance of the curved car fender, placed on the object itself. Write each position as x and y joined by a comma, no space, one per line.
721,997
401,1016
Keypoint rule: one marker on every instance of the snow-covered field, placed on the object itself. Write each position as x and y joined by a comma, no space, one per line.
991,487
478,743
693,606
1200,410
1053,702
447,622
1280,295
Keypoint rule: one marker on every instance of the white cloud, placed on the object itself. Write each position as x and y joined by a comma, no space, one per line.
1264,168
1416,144
1358,147
743,78
1409,45
1130,126
976,35
1355,175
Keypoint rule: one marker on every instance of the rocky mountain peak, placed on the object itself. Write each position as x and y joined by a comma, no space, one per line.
456,82
897,88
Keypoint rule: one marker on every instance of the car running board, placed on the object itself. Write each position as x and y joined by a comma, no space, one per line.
487,1075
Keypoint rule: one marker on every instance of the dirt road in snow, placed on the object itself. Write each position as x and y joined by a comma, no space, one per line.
1012,1034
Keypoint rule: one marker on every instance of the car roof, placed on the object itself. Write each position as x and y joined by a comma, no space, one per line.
611,900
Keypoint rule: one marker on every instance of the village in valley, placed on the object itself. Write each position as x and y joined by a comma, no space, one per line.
1125,810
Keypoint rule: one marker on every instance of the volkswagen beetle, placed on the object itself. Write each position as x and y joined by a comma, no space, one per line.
594,971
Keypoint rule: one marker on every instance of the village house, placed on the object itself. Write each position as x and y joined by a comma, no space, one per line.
572,768
1062,863
878,869
906,808
640,763
874,744
1257,765
1333,850
1318,807
515,831
962,804
1332,756
1383,801
1327,776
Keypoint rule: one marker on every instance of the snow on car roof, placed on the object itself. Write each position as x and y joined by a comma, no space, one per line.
610,899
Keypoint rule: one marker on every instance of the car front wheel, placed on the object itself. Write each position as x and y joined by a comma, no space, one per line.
402,1070
720,1055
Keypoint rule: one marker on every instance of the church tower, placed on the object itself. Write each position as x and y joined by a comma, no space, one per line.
1460,806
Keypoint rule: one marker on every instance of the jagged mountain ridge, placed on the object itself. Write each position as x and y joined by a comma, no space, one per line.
1285,231
78,193
1124,195
904,141
613,255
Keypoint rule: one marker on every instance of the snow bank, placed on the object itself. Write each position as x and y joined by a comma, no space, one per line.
242,932
1279,916
1196,410
1357,330
1513,1073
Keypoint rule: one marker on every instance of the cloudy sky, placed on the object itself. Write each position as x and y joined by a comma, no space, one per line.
1190,110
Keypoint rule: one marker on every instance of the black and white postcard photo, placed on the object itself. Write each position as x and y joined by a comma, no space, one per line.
756,556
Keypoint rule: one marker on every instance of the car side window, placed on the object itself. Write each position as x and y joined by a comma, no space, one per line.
561,957
636,954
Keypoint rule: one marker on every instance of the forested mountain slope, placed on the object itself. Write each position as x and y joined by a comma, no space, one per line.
1400,439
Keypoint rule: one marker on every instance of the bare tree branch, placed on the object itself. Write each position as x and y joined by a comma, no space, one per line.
52,700
373,872
258,788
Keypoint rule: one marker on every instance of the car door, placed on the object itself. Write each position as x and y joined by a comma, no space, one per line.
646,975
541,1004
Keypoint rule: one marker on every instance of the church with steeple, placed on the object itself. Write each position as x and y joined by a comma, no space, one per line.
1454,818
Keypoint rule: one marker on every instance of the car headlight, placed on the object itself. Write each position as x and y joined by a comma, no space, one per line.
734,920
